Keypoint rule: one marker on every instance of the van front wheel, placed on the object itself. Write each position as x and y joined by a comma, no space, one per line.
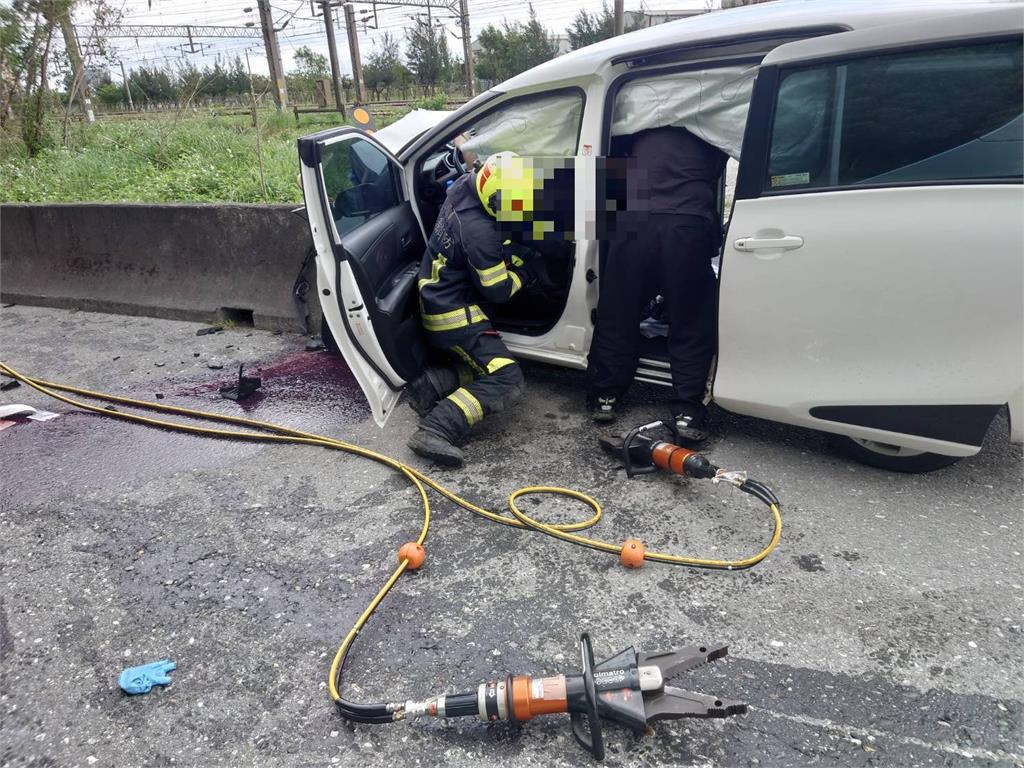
895,458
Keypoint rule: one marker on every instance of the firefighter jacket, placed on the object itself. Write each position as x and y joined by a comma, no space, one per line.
467,265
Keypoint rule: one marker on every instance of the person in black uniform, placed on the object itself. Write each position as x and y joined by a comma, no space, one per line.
662,243
468,265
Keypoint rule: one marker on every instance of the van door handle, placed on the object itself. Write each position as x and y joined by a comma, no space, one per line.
784,243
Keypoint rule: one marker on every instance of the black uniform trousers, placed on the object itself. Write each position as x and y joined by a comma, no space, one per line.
484,379
669,255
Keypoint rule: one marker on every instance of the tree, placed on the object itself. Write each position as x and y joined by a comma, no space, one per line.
15,43
152,85
308,69
310,65
514,48
110,95
428,54
589,28
384,67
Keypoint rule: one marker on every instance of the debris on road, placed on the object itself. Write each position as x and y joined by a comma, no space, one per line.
137,680
16,409
208,331
244,388
8,385
43,415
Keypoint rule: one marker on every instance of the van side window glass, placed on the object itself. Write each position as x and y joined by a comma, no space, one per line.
800,134
951,114
358,181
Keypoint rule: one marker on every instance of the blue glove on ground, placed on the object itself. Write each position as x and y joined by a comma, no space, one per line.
135,680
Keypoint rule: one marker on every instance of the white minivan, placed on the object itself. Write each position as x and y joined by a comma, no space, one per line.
871,272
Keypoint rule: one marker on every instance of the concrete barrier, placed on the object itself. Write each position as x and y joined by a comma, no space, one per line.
182,262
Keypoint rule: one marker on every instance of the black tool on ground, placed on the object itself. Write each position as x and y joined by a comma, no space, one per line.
630,688
651,447
244,388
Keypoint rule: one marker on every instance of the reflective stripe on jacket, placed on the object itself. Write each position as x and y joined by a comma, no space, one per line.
466,264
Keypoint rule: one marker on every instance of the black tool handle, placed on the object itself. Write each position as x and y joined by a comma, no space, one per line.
594,743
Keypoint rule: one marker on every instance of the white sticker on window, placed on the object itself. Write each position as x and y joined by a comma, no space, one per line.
791,179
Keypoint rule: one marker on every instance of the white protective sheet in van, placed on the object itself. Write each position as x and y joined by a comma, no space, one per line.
710,103
547,126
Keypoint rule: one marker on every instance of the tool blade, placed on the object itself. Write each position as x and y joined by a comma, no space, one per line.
673,703
675,663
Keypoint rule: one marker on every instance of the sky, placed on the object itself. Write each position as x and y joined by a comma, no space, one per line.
302,28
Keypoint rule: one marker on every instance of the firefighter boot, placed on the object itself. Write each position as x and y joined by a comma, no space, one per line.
434,446
430,386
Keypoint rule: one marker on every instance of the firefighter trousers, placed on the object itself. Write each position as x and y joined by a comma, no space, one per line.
483,379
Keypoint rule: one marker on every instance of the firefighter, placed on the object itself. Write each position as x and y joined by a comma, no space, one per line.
468,265
663,243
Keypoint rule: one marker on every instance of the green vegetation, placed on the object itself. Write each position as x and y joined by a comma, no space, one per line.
514,48
162,159
589,28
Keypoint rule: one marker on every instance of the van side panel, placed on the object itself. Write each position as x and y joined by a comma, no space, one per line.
897,297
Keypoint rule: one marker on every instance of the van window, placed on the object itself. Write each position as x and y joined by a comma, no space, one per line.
950,114
709,103
546,125
358,182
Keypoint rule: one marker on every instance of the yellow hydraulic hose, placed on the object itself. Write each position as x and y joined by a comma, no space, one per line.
278,434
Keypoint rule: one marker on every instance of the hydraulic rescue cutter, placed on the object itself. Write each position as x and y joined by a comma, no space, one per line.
630,688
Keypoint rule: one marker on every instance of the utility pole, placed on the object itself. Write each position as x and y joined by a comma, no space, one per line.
467,48
332,47
280,89
353,47
620,16
127,88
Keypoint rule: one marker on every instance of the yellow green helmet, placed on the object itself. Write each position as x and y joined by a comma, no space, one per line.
505,186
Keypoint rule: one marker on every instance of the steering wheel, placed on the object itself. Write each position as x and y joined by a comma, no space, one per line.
441,170
455,156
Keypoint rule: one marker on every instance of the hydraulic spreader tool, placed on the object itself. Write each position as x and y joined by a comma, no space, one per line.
631,688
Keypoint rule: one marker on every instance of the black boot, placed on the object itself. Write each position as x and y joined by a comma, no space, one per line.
602,408
436,447
429,387
421,394
692,424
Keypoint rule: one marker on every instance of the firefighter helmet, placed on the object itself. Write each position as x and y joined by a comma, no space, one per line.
505,186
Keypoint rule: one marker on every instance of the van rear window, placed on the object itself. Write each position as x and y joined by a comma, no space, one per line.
937,115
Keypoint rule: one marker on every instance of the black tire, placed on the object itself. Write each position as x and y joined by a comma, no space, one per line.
328,339
890,457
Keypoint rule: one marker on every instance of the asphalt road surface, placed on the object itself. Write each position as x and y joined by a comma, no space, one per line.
885,630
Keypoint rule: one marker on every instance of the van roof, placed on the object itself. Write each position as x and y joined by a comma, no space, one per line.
759,19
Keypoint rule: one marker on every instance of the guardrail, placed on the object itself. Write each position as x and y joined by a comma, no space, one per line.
182,262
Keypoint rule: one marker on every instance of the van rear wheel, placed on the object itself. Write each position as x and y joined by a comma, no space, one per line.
895,458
